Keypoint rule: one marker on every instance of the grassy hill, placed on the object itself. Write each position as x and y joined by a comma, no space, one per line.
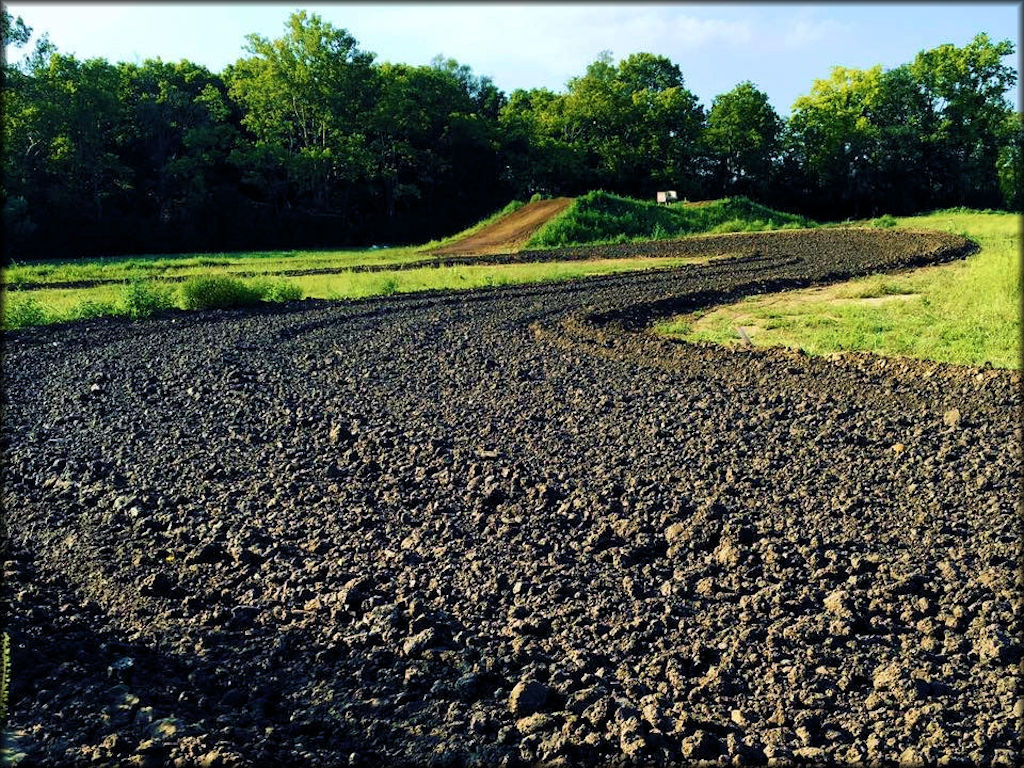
600,217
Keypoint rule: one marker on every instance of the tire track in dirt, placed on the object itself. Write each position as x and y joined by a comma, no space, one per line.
509,526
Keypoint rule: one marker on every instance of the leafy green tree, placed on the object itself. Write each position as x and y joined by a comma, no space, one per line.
833,129
743,135
628,127
177,136
13,30
965,112
306,95
1010,165
434,139
60,123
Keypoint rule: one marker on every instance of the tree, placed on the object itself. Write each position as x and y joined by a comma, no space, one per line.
965,113
13,30
1010,166
742,134
435,141
833,129
307,95
177,131
626,127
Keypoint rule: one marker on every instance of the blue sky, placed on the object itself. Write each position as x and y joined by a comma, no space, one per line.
782,48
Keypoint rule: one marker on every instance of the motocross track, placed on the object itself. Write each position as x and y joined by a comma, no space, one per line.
509,233
510,526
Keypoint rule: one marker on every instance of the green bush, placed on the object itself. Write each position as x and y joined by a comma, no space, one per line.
23,311
218,291
883,222
536,197
279,290
90,309
388,286
139,298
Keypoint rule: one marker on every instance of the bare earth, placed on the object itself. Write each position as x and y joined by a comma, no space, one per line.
510,233
511,527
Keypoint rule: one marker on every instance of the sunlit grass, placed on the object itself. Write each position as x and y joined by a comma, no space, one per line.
186,265
52,305
967,312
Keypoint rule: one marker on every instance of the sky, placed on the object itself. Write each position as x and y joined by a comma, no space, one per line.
781,47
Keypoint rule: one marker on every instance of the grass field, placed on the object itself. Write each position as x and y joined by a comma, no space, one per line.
52,305
967,312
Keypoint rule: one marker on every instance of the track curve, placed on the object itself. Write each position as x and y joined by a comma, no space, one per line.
509,526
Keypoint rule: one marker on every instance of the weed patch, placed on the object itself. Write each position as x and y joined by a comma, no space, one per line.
218,291
139,299
23,311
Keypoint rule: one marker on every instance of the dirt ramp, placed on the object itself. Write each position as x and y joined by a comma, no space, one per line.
509,233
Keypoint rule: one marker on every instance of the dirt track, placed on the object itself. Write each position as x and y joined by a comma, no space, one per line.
510,526
509,233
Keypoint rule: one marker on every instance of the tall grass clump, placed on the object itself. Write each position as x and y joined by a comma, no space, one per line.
23,311
278,291
139,299
883,222
218,291
599,217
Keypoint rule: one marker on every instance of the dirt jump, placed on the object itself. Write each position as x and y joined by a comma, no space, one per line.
509,233
510,527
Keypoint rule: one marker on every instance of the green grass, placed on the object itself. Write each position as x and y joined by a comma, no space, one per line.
966,312
41,274
48,305
137,299
600,217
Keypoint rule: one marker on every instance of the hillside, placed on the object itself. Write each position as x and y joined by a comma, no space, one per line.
508,233
601,217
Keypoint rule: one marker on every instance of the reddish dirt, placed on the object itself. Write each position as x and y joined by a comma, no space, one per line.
509,233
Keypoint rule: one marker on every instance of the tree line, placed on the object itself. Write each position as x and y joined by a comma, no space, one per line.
309,141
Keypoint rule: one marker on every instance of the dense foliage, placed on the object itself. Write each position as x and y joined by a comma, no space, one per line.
308,141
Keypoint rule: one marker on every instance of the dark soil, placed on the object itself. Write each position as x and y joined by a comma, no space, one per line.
510,526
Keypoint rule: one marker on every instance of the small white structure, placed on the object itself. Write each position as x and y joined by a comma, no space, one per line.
669,196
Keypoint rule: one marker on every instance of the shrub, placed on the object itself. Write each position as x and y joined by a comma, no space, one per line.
90,309
536,197
139,298
884,221
279,290
388,286
213,291
23,311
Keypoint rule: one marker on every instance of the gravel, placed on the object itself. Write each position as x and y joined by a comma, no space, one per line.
507,527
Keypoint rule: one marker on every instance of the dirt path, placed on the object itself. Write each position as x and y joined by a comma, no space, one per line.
510,233
510,527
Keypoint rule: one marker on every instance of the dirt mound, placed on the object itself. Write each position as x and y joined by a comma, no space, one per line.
509,526
509,233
